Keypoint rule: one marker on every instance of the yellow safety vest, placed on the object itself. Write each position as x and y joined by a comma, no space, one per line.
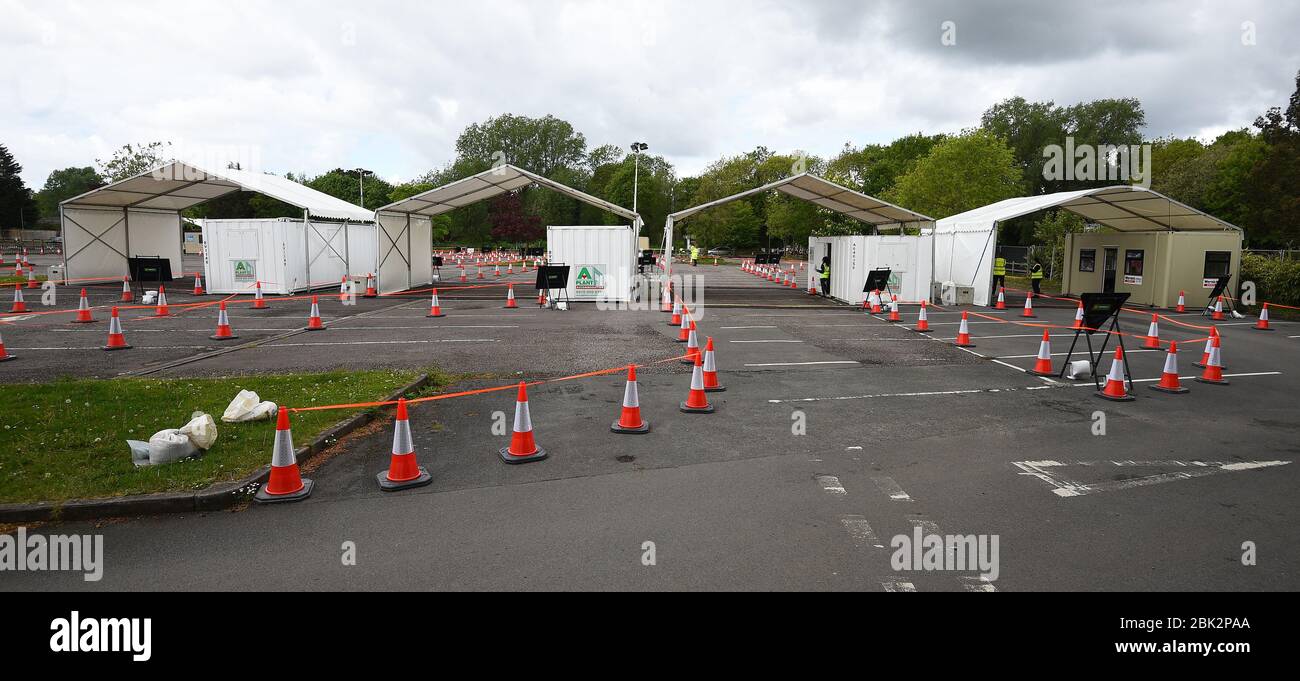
695,253
826,272
1037,272
999,267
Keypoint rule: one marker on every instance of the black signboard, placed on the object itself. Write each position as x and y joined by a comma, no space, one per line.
150,268
877,280
552,277
1099,308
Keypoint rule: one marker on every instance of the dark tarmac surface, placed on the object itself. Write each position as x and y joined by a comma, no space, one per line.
903,430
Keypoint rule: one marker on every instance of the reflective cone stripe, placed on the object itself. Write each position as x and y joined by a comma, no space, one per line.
922,319
1153,335
313,321
684,328
497,272
1213,366
435,310
677,314
19,305
223,324
963,333
479,267
629,420
1209,345
1182,302
510,297
1029,305
402,466
794,279
893,310
127,296
116,341
510,268
198,284
463,278
1078,316
1262,324
1218,309
692,345
285,479
4,354
697,402
83,310
522,446
1169,378
258,302
1115,388
371,291
1043,364
875,302
710,369
665,300
541,298
1002,299
161,310
31,278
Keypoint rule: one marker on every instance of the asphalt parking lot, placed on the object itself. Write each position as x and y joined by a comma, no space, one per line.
900,430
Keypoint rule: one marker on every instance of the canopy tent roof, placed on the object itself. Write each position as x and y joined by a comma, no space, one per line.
490,183
828,195
177,186
1124,208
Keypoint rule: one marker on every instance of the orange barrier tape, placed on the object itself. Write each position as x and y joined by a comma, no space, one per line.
1167,318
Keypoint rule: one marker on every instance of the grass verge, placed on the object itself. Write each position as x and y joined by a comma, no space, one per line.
67,439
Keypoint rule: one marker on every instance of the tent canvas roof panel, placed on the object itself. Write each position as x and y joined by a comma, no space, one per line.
1124,208
828,195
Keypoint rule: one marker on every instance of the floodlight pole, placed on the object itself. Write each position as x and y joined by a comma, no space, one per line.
637,148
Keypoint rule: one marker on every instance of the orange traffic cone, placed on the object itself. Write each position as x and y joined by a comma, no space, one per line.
1262,324
697,402
1002,299
1152,339
1218,310
711,369
812,286
1182,302
963,334
19,305
371,292
116,341
1209,345
541,297
479,267
463,278
676,319
198,284
435,310
893,310
1115,389
1078,316
161,310
692,345
83,310
630,421
922,320
522,447
285,482
666,298
313,321
127,296
259,303
1213,366
875,302
510,268
4,354
1043,366
684,328
510,298
31,278
404,472
1029,305
223,325
1169,378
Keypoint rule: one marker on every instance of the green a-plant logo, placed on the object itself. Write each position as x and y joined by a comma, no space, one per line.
244,270
590,277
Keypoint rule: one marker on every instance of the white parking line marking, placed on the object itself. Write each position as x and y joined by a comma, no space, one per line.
747,327
387,342
800,364
1054,354
831,484
1194,469
891,488
861,531
764,341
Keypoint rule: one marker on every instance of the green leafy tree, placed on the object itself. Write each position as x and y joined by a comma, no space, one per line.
541,145
64,184
1049,238
971,170
17,207
346,185
134,159
875,168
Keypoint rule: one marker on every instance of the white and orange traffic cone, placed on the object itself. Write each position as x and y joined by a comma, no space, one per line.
1214,365
541,297
1152,339
630,421
710,371
161,310
1002,299
404,472
259,303
497,272
371,291
83,310
313,321
223,325
1209,345
31,278
696,401
684,327
286,482
4,354
875,302
1218,310
1115,389
922,320
127,296
893,310
1078,316
510,298
19,305
812,285
198,284
1029,305
522,447
963,333
676,319
692,345
435,310
116,340
479,267
1169,378
1262,324
464,279
510,268
1043,365
1182,302
666,299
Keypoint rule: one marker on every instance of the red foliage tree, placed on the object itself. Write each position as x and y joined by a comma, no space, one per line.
511,222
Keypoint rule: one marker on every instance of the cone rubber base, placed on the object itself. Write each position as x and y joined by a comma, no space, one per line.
964,345
922,330
6,358
263,498
716,389
1049,374
1112,398
1199,365
117,347
92,321
1256,328
507,457
690,359
392,486
643,428
1172,391
696,410
230,337
434,316
1202,379
313,328
510,307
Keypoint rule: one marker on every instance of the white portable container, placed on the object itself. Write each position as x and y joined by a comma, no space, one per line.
910,259
601,260
285,254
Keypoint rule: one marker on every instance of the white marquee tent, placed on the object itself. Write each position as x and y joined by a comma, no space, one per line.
405,226
965,243
140,216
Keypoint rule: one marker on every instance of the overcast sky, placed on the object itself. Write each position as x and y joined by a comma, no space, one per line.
306,87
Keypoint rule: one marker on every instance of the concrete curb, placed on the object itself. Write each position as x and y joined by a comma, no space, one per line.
214,498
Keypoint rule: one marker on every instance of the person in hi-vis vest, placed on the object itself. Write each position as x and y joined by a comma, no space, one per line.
1036,278
825,272
999,276
695,255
